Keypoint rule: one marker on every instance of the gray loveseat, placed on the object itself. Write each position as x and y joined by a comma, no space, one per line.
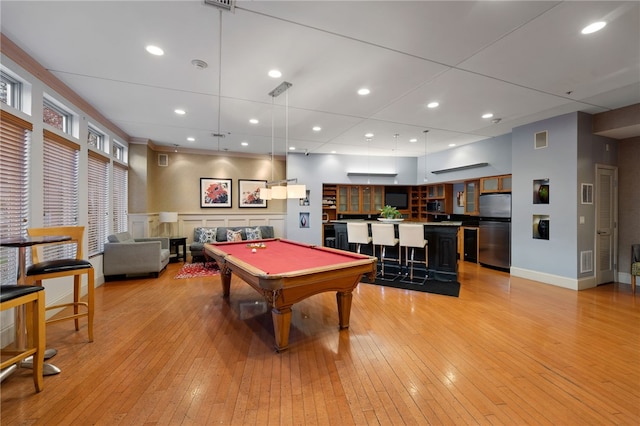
124,255
209,234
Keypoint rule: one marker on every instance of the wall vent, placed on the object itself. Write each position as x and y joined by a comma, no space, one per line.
586,261
541,140
222,4
163,160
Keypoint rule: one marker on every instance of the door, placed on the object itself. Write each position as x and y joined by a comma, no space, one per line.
606,201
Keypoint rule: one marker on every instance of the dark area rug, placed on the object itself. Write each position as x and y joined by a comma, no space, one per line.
419,283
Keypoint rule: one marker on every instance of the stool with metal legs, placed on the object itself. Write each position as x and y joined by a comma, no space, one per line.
383,235
358,234
412,235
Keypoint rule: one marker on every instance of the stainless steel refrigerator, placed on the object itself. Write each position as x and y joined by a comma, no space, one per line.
495,230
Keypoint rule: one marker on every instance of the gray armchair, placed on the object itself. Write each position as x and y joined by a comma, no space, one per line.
124,255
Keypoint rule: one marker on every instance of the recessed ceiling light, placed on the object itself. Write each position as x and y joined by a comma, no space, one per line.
592,28
154,50
487,115
275,74
433,105
180,111
190,139
316,128
253,121
244,143
368,135
292,148
364,91
452,144
413,140
333,152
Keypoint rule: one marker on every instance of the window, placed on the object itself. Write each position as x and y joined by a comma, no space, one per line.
98,208
10,90
60,183
15,135
118,152
120,197
56,116
95,139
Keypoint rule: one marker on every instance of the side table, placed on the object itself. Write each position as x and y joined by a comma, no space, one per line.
174,247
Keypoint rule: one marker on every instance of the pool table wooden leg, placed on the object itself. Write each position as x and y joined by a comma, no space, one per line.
225,279
344,307
281,325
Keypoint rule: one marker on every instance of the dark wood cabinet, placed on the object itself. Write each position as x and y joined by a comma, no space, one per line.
443,252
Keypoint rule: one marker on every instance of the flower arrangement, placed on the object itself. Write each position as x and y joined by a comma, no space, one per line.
389,212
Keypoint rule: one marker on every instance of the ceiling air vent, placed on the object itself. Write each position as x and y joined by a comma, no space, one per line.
222,4
541,140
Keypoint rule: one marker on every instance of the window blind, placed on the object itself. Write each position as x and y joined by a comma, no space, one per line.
120,197
98,208
15,137
60,184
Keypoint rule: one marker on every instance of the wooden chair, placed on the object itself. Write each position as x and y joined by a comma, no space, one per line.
43,269
31,297
635,265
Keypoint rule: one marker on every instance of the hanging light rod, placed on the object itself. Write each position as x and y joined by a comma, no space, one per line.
280,89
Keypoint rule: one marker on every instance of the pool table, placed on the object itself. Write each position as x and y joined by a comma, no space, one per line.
286,272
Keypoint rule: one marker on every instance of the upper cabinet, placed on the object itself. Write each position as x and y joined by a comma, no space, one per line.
495,184
471,194
360,199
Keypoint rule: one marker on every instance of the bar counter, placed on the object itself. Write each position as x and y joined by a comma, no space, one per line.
442,248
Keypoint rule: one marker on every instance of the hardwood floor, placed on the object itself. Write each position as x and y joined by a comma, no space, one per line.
507,351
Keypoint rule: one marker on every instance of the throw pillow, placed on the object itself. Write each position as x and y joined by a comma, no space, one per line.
234,235
253,234
207,235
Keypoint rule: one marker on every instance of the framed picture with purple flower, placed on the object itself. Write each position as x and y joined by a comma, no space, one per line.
249,193
215,192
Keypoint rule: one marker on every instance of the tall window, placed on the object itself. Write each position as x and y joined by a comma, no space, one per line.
98,185
120,197
118,152
56,117
95,139
10,89
15,135
60,183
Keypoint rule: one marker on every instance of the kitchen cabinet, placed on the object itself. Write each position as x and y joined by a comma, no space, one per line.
471,194
418,202
494,184
360,199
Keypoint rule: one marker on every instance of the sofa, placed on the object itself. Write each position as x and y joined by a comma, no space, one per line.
125,255
210,234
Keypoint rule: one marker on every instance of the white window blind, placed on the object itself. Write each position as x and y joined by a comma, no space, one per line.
15,135
120,197
98,209
60,199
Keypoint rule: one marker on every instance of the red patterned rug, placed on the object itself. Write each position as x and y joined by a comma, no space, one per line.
195,270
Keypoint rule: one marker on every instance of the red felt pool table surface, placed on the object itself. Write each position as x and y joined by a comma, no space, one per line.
283,256
286,272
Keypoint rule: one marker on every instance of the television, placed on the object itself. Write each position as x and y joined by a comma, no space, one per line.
399,200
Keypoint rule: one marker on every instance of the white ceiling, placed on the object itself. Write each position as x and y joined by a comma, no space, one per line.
522,60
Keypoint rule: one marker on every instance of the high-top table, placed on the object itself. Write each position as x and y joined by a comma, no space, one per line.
21,243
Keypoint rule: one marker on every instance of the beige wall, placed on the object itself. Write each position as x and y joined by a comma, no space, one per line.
176,187
628,199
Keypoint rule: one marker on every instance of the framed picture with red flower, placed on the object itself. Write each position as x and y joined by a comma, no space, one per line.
215,192
249,193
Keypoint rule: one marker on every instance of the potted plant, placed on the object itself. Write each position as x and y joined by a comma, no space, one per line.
389,212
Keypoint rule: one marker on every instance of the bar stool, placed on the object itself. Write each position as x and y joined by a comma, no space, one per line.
412,235
358,233
384,236
16,296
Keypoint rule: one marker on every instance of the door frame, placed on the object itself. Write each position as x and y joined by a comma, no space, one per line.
614,217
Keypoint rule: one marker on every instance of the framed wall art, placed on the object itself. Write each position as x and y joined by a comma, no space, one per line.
215,192
249,193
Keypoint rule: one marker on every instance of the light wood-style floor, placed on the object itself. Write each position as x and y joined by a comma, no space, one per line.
507,351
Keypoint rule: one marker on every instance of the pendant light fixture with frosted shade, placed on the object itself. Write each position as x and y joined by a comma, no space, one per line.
278,190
